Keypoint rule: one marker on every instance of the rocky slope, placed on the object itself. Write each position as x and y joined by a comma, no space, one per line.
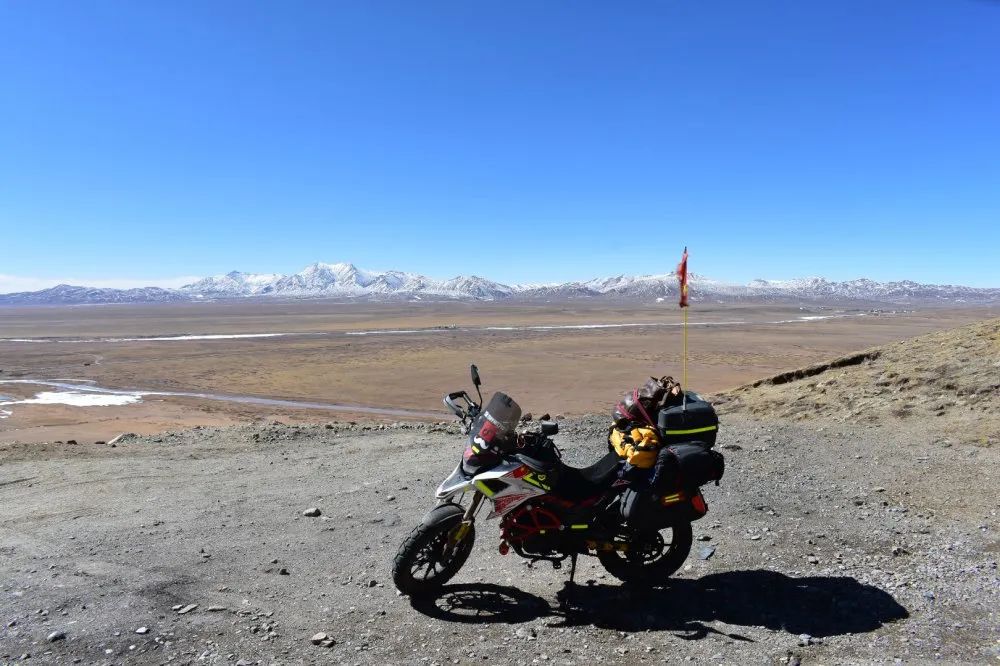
949,381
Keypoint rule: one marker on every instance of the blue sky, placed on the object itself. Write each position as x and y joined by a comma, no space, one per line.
141,141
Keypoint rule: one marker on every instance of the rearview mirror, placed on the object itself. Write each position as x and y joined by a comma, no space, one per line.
476,381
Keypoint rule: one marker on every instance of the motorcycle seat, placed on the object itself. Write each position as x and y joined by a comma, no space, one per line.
578,483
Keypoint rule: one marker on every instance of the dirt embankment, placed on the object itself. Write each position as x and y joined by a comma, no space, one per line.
948,382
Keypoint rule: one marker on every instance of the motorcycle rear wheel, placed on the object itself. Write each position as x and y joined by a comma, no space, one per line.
641,566
421,565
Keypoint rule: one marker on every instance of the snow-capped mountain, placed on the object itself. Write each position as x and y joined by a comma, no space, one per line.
343,280
235,283
65,294
347,281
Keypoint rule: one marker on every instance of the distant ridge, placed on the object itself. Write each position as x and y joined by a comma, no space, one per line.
347,281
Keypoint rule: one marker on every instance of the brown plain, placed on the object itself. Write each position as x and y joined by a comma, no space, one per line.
561,371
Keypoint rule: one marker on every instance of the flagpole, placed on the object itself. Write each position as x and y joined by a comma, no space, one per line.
682,279
684,383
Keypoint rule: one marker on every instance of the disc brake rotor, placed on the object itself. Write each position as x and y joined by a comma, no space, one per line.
646,547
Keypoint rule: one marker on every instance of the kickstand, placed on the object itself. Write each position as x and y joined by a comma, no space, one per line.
568,594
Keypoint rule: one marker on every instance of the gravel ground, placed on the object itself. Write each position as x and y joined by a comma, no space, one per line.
832,544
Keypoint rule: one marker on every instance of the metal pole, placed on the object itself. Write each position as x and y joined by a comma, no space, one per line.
684,382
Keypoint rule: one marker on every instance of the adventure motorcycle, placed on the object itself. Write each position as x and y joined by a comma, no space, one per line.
548,510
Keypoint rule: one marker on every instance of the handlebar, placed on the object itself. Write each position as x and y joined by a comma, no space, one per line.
465,413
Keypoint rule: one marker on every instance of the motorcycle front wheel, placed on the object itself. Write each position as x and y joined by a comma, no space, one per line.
651,557
433,552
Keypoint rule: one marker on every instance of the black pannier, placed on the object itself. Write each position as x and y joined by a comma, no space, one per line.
645,511
686,467
673,496
692,420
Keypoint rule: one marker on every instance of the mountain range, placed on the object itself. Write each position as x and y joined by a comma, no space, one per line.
347,281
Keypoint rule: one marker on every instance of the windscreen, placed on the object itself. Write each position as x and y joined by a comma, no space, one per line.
496,427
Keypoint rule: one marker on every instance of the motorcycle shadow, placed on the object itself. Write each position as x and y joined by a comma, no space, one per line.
482,603
820,606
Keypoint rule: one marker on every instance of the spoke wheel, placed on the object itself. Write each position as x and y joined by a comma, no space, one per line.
651,557
433,552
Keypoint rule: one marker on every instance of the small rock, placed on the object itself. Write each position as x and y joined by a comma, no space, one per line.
812,559
283,571
216,609
56,636
704,537
706,552
805,639
526,633
187,609
142,630
311,512
389,498
319,638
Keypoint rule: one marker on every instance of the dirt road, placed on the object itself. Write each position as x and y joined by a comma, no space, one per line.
831,545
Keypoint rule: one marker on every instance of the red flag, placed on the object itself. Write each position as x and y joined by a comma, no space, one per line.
682,277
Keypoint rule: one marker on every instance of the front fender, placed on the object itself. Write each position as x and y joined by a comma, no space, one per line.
456,483
442,513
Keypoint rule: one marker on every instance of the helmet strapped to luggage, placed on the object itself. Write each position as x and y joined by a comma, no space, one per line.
642,404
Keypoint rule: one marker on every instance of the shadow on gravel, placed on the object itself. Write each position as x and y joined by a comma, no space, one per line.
483,603
816,605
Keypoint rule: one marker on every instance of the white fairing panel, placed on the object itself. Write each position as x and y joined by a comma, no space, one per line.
513,495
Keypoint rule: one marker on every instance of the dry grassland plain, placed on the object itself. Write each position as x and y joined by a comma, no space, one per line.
401,356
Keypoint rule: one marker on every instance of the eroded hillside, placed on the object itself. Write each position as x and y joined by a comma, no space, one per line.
947,381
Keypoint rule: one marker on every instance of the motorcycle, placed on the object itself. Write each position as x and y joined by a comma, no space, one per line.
547,510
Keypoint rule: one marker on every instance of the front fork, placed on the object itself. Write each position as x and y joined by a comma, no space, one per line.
463,527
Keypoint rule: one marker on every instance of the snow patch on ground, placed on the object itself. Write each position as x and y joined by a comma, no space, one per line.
401,331
161,338
171,338
77,399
